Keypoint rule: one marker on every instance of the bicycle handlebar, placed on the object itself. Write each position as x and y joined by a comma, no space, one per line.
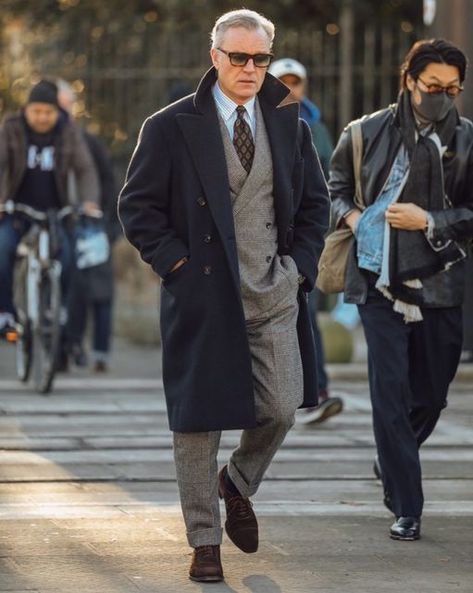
10,207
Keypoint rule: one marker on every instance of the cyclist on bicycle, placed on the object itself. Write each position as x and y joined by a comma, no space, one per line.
41,153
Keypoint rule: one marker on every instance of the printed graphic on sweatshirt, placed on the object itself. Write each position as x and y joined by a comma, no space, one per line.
41,158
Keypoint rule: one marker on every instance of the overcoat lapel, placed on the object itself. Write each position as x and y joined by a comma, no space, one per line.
203,138
281,125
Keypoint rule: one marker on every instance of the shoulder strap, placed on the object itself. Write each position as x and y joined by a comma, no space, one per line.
357,148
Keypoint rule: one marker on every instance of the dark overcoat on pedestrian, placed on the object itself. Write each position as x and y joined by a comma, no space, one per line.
176,203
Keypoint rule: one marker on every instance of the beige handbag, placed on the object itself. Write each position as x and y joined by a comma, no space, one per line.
338,244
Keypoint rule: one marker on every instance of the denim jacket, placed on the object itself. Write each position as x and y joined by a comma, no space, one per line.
370,230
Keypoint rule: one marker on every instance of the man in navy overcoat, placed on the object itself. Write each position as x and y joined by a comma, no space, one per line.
226,200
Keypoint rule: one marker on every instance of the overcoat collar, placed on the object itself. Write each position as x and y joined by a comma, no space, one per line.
201,131
272,91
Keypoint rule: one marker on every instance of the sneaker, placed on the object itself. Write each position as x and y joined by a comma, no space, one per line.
326,409
7,327
100,366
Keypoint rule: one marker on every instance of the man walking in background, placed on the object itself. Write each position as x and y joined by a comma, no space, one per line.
93,285
294,75
226,201
407,269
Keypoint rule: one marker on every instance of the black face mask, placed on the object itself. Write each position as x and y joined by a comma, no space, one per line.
434,107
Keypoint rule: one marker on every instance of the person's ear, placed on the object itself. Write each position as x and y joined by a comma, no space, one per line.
214,55
410,83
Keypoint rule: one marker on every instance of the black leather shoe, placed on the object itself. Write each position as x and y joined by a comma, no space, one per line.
406,529
241,525
206,566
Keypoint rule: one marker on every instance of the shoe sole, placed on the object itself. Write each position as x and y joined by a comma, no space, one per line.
215,579
404,539
333,410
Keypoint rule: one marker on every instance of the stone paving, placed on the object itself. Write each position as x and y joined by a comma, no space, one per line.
88,501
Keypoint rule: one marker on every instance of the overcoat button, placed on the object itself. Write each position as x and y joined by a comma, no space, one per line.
207,238
207,270
268,225
202,201
269,259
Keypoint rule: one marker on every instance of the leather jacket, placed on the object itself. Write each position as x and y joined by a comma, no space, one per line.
381,141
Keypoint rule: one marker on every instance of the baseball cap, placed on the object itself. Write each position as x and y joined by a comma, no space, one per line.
287,66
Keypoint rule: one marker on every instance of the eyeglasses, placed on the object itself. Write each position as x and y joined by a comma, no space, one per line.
238,58
435,89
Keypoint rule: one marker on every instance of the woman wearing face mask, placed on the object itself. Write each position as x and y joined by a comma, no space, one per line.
406,270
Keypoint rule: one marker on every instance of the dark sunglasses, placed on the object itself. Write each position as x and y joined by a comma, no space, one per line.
238,58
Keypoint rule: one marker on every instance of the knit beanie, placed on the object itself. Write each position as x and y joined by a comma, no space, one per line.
45,91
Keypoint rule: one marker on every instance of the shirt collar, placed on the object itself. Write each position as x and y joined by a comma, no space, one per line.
227,107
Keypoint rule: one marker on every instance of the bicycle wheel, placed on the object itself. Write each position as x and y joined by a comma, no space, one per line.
23,353
46,333
20,298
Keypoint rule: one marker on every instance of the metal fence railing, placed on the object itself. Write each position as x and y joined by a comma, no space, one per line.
122,79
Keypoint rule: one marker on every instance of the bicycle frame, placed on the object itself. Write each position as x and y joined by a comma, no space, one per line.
37,295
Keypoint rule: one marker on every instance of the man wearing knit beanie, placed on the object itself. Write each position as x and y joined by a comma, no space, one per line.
39,152
45,91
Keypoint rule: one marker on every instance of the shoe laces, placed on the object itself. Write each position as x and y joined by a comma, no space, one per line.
206,551
240,507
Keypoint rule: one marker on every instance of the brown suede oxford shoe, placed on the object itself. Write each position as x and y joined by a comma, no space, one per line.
206,566
241,525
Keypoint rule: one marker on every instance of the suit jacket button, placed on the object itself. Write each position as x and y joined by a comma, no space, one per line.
269,259
202,201
207,270
268,225
207,238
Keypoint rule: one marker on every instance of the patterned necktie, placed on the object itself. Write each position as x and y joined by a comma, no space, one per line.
243,140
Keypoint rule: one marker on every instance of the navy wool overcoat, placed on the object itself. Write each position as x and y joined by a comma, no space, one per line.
176,203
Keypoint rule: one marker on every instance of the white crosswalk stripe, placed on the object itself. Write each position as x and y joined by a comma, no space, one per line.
101,447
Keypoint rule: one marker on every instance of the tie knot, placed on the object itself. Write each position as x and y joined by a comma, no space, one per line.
240,110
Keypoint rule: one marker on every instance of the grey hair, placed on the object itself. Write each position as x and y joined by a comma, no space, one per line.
248,19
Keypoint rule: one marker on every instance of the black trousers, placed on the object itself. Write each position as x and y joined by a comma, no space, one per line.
410,368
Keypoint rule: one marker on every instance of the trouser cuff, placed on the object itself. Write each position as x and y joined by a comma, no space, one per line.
205,537
245,489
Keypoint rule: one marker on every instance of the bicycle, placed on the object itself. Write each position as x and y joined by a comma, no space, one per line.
37,294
